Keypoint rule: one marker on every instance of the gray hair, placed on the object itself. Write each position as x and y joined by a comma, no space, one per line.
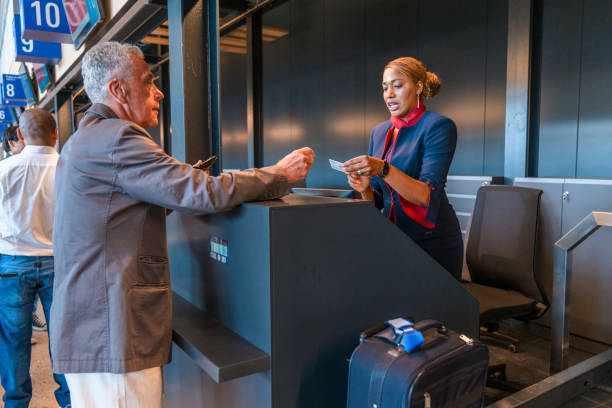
104,62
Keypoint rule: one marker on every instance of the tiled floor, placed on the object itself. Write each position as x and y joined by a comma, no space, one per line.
527,367
594,398
40,371
530,365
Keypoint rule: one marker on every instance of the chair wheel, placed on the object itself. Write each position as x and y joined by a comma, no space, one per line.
513,348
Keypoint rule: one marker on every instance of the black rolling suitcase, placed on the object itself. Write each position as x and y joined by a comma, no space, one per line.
425,365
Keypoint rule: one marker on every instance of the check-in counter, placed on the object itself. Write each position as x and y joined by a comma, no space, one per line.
270,299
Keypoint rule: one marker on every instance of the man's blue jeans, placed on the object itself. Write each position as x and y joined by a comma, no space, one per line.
21,278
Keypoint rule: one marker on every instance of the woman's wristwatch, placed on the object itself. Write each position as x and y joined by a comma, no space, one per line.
385,170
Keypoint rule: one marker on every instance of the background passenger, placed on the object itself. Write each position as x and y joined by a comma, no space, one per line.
26,253
111,329
405,170
11,143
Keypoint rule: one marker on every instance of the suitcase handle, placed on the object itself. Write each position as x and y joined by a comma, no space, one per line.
372,331
378,328
428,325
431,324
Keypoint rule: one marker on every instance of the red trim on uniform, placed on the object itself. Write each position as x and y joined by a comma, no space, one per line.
415,212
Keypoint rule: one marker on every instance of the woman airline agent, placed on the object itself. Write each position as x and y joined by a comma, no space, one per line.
405,170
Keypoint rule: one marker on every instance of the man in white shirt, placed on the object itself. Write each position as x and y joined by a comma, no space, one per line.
26,253
13,144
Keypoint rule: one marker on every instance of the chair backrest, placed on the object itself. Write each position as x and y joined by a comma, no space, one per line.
501,248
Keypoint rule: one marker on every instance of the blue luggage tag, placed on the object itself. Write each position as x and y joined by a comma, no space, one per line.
407,337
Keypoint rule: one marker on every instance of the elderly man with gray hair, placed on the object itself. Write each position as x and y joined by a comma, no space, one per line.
111,322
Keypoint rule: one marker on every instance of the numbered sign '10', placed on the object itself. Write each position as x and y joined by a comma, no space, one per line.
41,52
44,20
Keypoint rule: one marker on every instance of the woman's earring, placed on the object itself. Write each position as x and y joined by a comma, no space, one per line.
418,101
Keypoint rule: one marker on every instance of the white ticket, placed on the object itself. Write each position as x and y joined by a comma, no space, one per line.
336,165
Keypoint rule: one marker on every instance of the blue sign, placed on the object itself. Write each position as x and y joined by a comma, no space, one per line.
44,20
41,52
7,115
14,103
16,89
12,88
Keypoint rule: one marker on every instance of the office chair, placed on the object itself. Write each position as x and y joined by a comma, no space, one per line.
501,259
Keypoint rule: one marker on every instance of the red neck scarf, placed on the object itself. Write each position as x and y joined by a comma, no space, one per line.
412,118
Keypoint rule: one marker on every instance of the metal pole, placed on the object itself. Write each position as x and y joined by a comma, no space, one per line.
190,94
517,87
560,311
214,84
254,91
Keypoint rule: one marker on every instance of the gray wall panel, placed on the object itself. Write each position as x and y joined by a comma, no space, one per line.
464,221
462,203
595,129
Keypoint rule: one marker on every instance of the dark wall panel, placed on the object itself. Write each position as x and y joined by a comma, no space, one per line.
575,104
322,81
344,133
452,43
383,43
559,93
595,128
279,131
495,87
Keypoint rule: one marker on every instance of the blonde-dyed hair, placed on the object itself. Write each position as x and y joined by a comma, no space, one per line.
415,70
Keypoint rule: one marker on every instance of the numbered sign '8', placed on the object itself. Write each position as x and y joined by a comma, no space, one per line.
44,20
12,88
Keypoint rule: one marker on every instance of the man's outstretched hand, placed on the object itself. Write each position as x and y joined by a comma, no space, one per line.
297,164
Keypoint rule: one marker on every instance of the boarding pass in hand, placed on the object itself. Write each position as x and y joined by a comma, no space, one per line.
336,165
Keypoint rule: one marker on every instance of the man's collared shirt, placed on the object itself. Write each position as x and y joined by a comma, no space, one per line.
26,202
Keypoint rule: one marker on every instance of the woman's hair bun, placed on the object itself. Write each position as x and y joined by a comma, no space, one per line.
431,86
414,69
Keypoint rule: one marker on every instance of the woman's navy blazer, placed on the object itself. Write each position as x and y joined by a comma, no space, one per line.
423,151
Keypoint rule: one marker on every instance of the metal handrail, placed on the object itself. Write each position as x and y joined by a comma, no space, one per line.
561,284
